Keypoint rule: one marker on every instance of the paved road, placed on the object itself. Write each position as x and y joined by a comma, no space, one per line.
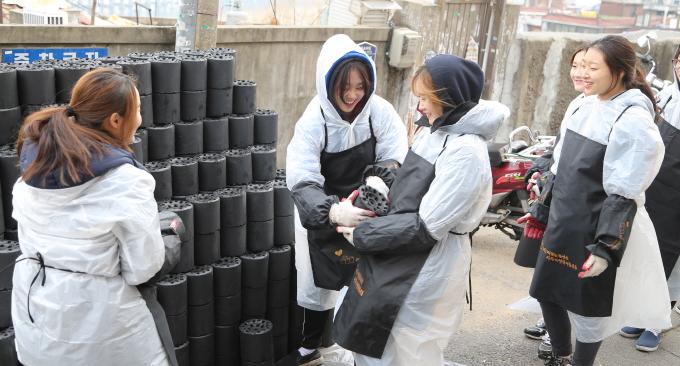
492,334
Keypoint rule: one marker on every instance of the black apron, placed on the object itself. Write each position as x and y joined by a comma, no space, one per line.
382,282
578,196
148,293
663,196
333,259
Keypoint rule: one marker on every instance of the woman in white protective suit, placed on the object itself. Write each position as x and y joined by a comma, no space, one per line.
408,292
347,133
599,261
539,174
663,204
89,233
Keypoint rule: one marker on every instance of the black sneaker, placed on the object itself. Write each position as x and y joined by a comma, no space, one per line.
312,359
535,332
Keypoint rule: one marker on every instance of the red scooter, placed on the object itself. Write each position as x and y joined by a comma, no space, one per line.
509,164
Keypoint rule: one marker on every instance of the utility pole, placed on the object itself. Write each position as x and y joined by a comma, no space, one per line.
197,25
93,11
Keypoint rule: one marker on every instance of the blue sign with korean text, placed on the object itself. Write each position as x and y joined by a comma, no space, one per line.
370,49
29,55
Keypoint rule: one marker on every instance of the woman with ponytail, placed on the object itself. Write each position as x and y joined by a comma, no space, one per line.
599,260
89,232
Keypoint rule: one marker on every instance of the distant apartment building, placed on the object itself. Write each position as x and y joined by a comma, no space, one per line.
610,16
126,8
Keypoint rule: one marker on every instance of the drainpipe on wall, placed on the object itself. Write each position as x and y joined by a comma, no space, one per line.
93,11
196,25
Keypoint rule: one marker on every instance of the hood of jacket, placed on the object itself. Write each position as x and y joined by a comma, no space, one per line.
336,50
113,157
483,120
459,83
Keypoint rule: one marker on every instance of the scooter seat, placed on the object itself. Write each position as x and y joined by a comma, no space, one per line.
495,155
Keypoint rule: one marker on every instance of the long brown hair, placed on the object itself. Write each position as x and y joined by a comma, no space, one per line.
67,137
341,84
620,58
422,84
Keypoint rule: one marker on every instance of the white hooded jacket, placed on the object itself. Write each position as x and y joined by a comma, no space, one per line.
304,150
456,200
106,231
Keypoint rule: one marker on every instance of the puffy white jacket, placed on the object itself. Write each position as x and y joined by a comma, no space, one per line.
457,199
107,232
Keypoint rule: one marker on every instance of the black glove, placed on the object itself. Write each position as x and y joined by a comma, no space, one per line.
540,165
313,205
613,228
540,209
385,170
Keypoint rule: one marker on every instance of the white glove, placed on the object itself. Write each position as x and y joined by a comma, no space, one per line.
347,232
345,214
532,187
378,184
594,266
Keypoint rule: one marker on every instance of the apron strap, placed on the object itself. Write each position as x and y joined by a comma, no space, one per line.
666,104
325,130
446,140
617,119
370,125
41,269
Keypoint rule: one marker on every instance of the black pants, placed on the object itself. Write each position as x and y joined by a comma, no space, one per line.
669,259
313,327
559,328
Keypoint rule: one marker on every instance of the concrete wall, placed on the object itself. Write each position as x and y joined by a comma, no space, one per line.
119,40
535,82
282,60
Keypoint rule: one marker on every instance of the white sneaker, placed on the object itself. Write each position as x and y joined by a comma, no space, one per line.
540,323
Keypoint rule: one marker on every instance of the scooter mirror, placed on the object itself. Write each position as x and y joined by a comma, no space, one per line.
642,40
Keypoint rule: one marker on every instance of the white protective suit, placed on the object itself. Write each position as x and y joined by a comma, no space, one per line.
640,280
457,199
304,151
108,229
669,100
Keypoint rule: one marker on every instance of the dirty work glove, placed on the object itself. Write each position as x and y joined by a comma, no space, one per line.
533,229
532,186
171,224
345,214
593,266
378,184
347,232
173,233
